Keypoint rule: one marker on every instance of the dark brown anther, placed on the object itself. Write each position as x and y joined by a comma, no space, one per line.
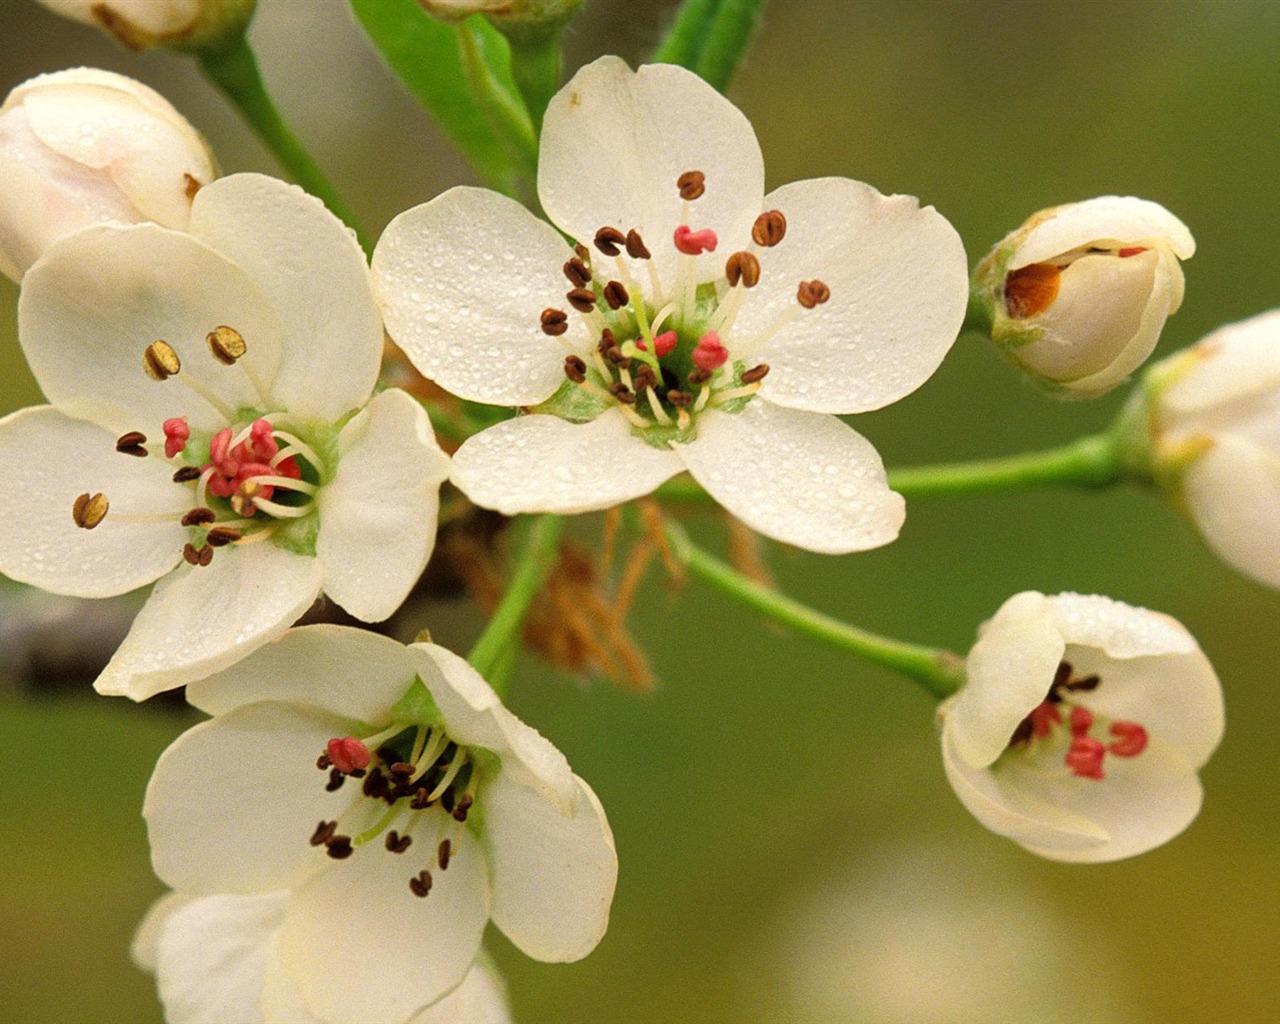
644,377
1022,734
88,510
744,267
221,536
622,393
607,341
199,516
1062,676
575,369
636,248
336,779
160,360
464,805
582,299
206,555
616,295
755,374
323,833
443,854
186,474
421,800
356,773
554,322
769,229
583,253
375,785
397,843
401,770
323,762
1087,683
699,377
193,555
420,884
692,184
680,399
577,273
615,356
608,240
132,444
447,798
812,293
339,847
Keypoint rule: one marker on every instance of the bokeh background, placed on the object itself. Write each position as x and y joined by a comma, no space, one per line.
790,849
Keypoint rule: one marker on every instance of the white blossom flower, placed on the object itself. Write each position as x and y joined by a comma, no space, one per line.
714,329
1082,727
211,411
143,24
437,809
1079,294
84,147
1215,421
217,961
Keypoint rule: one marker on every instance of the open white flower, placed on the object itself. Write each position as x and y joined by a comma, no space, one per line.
1079,294
1215,423
84,147
211,411
1082,727
434,810
713,329
217,961
143,24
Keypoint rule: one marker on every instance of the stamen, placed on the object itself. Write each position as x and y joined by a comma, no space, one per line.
608,239
704,396
755,374
420,884
89,510
729,394
742,267
581,299
221,536
1081,720
622,393
396,843
1031,290
186,474
339,847
577,273
812,293
464,805
299,447
636,248
554,322
227,344
1130,739
197,556
1085,758
659,413
274,508
160,361
443,854
583,253
323,833
132,443
336,779
1131,250
347,754
616,295
176,435
663,344
680,399
769,229
709,354
692,184
199,517
694,243
575,369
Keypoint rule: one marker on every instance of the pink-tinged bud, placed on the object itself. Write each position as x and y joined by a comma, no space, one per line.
694,243
1130,739
1085,758
1044,718
176,435
348,754
709,354
1081,721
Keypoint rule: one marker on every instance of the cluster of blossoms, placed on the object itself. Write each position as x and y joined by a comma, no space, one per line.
210,350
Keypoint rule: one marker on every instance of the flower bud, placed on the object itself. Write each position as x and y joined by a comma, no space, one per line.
173,24
84,147
528,12
1078,295
1214,417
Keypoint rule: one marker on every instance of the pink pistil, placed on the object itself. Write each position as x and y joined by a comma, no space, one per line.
1044,718
709,354
662,343
1130,739
1081,721
1085,757
176,435
694,243
247,460
348,754
1132,250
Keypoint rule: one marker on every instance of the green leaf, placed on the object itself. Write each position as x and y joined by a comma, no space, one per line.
427,56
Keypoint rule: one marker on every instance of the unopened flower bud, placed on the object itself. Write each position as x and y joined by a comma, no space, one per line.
530,12
173,24
1078,295
84,147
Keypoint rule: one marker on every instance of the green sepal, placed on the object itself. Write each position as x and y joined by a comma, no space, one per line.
298,536
417,706
574,403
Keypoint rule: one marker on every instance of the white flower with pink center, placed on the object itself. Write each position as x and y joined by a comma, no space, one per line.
698,325
217,960
213,427
1082,727
398,804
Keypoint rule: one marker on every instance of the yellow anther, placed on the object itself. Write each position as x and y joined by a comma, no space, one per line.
89,510
160,360
226,344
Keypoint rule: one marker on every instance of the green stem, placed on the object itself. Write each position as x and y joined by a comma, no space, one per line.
505,114
234,70
727,40
536,64
503,631
684,41
939,671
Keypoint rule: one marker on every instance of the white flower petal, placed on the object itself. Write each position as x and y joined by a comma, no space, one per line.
156,17
342,671
1233,493
46,461
614,142
480,999
1009,672
91,306
1119,629
475,716
378,514
899,286
362,947
233,801
282,1001
145,947
311,269
1124,220
199,620
542,463
463,281
1234,363
553,874
802,478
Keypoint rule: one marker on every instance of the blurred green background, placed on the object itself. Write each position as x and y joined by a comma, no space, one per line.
790,849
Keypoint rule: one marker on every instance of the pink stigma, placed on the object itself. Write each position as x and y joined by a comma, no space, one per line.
251,458
709,354
1081,721
348,754
1130,739
694,243
664,343
1085,758
1044,718
1131,251
176,435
